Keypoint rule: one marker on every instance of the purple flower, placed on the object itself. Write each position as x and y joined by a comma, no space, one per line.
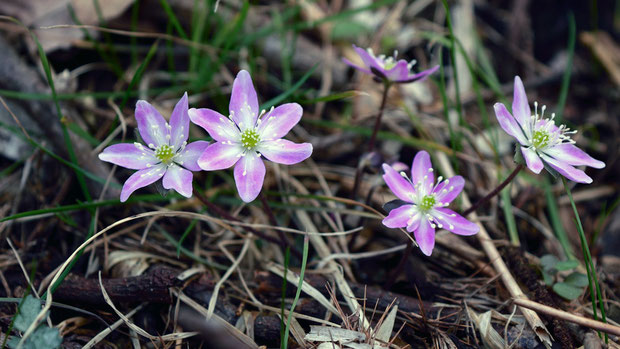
245,135
388,69
541,140
427,210
167,153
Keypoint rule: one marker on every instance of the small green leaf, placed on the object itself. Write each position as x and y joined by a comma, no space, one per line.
566,265
567,291
548,278
28,311
45,337
577,279
548,262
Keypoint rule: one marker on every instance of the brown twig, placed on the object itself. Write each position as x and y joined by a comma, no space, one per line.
560,314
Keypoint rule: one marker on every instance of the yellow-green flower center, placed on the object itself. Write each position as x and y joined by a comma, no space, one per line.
164,153
428,202
540,139
250,138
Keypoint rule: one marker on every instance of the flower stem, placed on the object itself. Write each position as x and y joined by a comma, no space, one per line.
373,138
272,218
399,269
371,144
595,288
494,191
222,213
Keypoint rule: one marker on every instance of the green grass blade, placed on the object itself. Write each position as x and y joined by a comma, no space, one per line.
111,61
595,288
556,221
290,91
559,110
65,133
287,260
187,252
138,75
304,262
173,19
511,224
92,204
133,41
459,106
189,228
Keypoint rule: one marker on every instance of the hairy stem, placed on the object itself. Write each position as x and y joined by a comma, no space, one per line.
371,143
373,138
272,218
399,269
494,191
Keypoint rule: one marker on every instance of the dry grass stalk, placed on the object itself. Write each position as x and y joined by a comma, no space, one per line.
498,263
560,314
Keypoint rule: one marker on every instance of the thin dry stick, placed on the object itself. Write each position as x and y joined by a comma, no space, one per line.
15,118
101,335
137,329
230,270
214,208
203,47
562,315
498,263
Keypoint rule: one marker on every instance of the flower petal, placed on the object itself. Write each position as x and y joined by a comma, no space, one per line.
179,179
454,222
446,191
520,107
219,127
351,64
152,126
285,152
400,186
368,58
278,122
243,101
249,176
422,172
571,154
399,217
219,156
179,123
425,237
134,156
399,72
508,123
188,157
532,160
421,76
141,179
567,170
414,222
